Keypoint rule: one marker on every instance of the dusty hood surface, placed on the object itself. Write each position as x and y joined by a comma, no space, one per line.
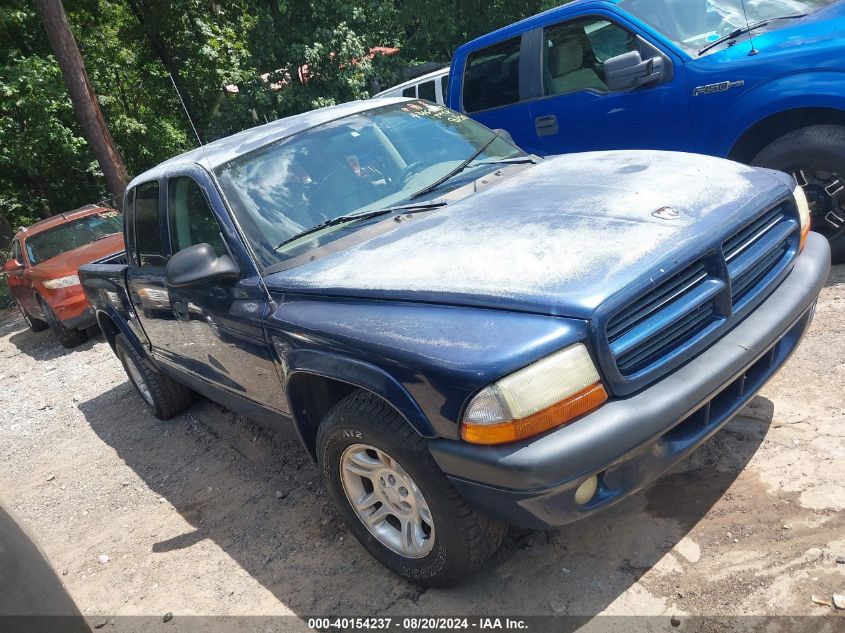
558,238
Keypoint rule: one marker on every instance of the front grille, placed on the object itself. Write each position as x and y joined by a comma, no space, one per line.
754,252
663,319
682,311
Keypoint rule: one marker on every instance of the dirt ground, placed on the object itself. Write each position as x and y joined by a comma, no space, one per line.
208,514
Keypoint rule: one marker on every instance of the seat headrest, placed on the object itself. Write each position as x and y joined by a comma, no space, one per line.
566,56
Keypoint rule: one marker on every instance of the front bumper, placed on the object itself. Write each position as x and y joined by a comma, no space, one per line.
629,442
71,307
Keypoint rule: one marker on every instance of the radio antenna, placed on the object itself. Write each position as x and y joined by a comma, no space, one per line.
753,50
187,114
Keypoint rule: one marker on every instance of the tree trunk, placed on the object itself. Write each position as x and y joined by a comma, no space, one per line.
85,104
6,232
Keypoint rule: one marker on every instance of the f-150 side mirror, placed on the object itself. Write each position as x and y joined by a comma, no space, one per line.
12,266
199,263
628,71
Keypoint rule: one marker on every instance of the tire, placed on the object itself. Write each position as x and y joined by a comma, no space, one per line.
815,156
162,395
36,325
67,337
363,429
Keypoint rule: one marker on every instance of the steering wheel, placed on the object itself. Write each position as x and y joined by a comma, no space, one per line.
406,172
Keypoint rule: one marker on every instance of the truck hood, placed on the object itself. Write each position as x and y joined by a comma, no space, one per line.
558,238
68,263
819,30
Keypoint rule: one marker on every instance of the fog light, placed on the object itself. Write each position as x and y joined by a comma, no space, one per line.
586,490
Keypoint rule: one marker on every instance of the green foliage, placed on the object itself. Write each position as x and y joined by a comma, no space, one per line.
131,46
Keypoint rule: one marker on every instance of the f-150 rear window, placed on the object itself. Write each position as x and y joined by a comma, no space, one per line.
491,79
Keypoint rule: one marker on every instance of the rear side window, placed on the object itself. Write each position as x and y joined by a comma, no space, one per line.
491,79
444,87
410,92
148,243
427,91
191,219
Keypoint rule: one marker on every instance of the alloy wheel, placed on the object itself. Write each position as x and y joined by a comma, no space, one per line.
826,197
387,501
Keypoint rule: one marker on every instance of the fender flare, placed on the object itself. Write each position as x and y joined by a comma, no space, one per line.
779,96
359,374
119,321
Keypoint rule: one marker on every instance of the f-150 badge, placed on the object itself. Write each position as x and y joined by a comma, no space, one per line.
719,87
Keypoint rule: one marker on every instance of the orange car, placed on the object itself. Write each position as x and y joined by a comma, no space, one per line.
42,274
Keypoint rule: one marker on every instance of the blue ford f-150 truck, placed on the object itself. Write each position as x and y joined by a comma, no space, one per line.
757,81
461,334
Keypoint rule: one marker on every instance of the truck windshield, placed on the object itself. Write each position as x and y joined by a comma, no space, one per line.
694,24
75,234
365,162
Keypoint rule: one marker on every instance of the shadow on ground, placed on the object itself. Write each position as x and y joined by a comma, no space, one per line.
259,498
39,345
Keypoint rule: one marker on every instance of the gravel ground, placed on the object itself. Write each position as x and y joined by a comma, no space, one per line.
209,514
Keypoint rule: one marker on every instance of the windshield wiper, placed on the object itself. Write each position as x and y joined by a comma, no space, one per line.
515,160
747,29
457,170
363,215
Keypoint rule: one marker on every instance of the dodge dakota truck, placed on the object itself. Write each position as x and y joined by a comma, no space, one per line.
757,81
460,334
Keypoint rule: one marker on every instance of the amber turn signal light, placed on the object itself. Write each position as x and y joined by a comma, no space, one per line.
556,415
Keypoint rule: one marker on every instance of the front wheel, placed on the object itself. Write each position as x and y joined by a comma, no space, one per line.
395,499
815,157
68,337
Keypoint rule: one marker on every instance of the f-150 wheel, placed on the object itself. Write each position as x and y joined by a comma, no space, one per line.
815,156
394,498
163,396
36,325
68,337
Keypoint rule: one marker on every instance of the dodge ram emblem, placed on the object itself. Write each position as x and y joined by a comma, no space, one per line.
666,213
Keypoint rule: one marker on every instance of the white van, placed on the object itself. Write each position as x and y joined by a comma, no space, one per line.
432,87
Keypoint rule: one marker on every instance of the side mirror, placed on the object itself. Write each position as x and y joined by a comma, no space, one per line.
628,71
12,266
199,263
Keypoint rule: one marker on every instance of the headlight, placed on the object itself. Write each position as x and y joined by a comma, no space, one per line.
62,282
546,394
803,213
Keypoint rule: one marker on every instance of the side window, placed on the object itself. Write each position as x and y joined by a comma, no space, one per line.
427,91
410,92
148,243
574,54
491,79
191,219
444,88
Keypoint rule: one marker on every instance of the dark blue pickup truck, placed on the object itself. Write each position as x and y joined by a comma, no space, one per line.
461,335
758,81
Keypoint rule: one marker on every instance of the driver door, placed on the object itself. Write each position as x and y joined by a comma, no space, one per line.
578,112
221,320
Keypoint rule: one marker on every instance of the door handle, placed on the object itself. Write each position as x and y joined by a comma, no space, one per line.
546,125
